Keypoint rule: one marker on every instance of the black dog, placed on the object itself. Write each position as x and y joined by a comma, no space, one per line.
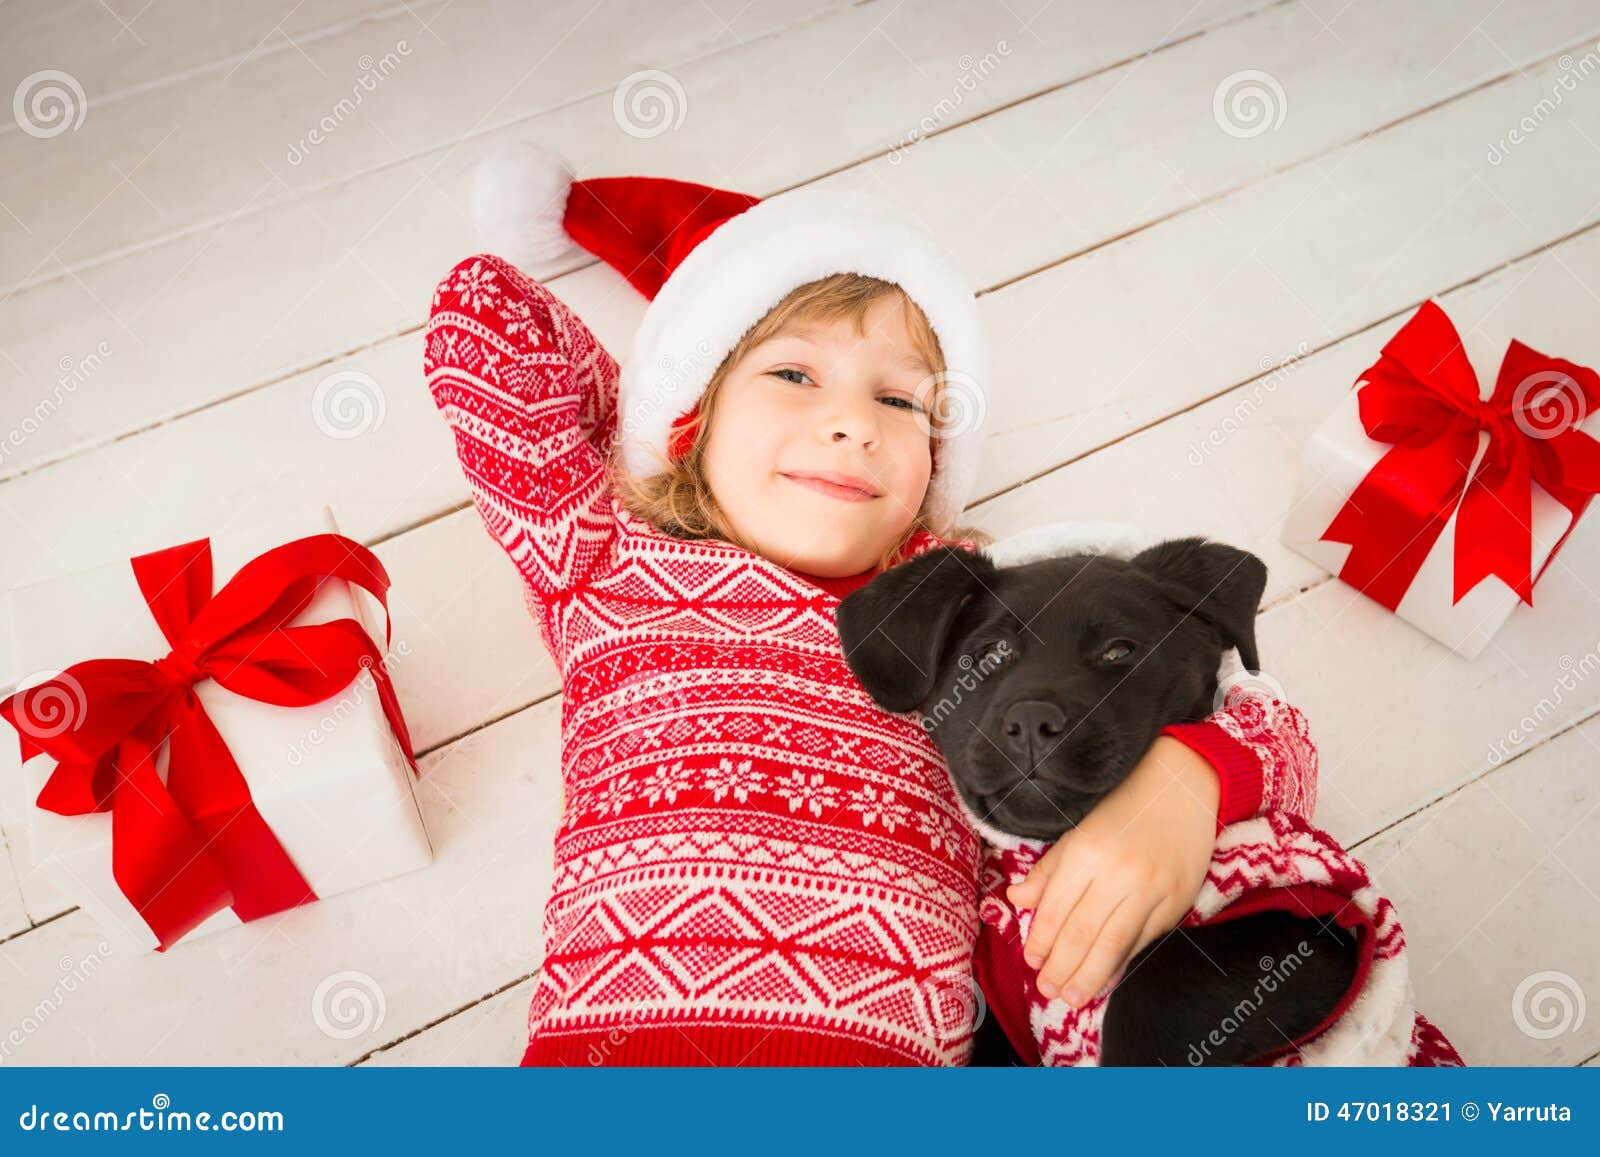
1043,685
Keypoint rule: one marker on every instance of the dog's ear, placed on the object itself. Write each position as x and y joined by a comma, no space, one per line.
895,628
1215,582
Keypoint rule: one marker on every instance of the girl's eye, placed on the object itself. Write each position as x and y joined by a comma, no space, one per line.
798,374
1116,651
910,404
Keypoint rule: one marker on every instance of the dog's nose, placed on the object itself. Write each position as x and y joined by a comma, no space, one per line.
1033,726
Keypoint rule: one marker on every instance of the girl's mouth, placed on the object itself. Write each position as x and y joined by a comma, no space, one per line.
831,489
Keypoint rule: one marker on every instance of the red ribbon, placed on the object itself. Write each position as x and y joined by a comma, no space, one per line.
1422,396
185,849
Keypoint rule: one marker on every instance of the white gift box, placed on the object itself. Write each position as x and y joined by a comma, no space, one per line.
1339,455
331,779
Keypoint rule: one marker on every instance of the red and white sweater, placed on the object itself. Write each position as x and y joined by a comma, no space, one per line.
755,864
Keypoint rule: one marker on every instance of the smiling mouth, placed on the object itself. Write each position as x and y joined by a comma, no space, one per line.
831,489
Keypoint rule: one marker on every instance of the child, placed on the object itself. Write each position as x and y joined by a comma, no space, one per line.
754,864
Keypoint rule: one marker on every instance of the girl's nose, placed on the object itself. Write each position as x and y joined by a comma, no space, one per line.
853,420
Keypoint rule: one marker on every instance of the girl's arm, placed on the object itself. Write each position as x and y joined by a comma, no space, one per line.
531,397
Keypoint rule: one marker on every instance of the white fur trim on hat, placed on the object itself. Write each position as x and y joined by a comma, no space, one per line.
734,277
1053,539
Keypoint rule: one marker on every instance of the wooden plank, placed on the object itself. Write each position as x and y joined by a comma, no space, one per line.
112,54
1056,176
321,272
491,1032
307,986
398,472
13,917
1498,887
367,94
1310,255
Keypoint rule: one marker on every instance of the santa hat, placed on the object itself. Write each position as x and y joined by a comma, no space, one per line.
713,264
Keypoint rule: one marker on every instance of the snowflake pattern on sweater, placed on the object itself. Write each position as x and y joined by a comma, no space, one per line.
754,863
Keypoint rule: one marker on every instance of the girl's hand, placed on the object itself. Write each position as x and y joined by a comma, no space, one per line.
1124,876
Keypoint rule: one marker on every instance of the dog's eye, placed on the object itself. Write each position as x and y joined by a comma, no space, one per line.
1116,651
987,656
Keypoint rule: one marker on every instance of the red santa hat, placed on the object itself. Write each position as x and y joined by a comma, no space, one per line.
713,263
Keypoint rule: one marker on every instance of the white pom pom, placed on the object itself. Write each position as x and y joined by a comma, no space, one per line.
519,197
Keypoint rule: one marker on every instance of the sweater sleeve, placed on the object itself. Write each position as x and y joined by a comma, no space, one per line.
530,395
1263,753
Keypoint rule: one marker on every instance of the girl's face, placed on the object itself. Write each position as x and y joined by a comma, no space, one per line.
820,398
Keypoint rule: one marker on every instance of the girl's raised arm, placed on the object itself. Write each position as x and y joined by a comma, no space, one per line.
531,397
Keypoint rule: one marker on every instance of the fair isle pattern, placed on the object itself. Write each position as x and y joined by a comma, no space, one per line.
1279,736
1376,1024
754,863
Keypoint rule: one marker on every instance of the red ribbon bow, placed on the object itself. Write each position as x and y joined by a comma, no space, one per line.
185,849
1422,396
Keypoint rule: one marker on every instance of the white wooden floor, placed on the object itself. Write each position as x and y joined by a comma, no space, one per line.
183,268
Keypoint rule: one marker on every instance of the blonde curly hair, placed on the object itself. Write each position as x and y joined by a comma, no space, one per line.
677,499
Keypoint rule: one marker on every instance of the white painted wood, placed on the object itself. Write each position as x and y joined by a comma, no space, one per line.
1056,175
13,917
418,947
115,50
1307,256
210,313
30,895
491,1032
367,94
473,652
1498,887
